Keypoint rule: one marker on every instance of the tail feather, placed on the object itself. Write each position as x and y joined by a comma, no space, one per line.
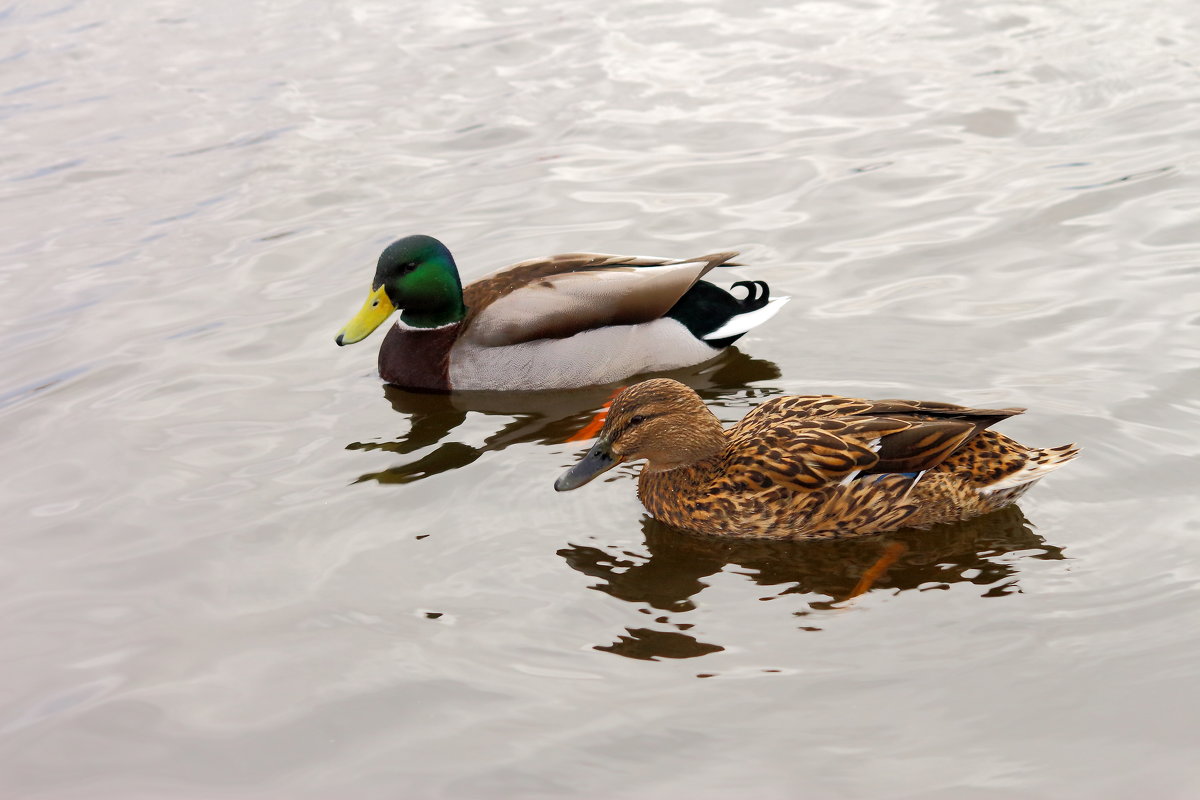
740,323
717,317
1038,464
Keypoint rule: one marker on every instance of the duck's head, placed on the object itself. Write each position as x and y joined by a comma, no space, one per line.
660,420
417,276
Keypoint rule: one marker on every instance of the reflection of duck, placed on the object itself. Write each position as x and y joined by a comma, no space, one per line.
824,572
545,417
565,321
799,467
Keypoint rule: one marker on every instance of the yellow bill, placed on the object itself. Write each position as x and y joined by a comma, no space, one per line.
373,314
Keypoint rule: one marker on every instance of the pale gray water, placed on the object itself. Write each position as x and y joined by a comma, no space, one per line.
233,566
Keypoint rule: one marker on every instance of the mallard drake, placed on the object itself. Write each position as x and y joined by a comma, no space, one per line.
812,466
579,319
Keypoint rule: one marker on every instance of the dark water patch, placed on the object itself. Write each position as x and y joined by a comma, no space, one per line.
112,262
54,12
30,390
647,644
1134,176
29,87
42,172
12,109
196,330
15,56
249,140
872,167
272,237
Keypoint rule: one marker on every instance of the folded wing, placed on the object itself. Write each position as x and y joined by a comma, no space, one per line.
564,295
808,443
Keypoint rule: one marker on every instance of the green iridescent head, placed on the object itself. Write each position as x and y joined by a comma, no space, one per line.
417,276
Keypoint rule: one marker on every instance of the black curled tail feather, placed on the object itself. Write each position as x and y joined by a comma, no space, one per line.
704,308
758,294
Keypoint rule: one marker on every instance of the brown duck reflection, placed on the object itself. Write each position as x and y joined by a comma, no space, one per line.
548,417
671,574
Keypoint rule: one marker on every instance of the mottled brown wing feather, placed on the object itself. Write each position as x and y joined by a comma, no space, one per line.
802,454
810,442
936,431
922,445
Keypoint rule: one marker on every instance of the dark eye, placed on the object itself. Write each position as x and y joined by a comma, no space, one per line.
637,419
409,267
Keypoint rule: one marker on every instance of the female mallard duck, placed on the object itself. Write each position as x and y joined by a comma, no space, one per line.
572,320
804,467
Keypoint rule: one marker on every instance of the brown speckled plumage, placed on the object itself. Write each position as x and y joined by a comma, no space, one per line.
806,467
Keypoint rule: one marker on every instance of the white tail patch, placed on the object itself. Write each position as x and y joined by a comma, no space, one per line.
1039,464
741,323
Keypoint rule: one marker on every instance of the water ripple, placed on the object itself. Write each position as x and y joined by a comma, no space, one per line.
235,564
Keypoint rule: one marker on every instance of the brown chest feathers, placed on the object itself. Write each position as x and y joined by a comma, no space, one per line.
418,358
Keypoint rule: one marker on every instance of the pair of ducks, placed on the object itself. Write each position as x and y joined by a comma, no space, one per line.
795,467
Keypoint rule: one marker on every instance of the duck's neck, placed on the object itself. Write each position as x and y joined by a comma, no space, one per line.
434,317
676,476
670,494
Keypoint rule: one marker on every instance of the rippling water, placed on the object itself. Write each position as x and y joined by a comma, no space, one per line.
235,565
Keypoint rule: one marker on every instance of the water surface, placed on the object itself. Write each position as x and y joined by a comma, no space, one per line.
236,565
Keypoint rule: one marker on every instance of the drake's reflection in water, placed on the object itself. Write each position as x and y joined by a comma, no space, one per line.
666,581
545,417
